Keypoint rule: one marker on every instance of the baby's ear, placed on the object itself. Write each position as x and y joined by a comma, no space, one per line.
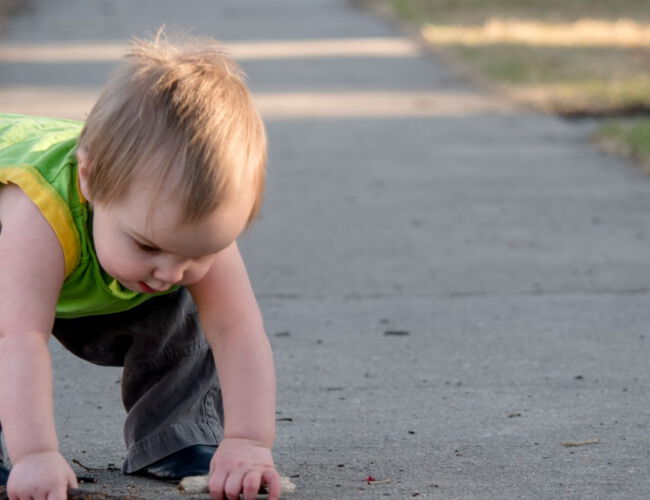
82,169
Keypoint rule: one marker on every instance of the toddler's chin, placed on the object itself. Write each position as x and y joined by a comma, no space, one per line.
130,285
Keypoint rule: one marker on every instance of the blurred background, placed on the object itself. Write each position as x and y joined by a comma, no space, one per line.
578,58
575,58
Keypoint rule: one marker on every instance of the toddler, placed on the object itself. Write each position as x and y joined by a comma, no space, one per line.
118,237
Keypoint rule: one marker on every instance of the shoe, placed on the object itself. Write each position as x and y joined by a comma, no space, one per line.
4,474
190,461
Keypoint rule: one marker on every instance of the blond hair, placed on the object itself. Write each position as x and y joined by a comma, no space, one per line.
176,112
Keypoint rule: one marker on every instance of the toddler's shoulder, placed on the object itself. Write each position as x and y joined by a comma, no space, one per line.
20,219
14,203
31,264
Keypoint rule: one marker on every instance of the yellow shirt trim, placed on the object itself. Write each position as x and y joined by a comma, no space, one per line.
52,206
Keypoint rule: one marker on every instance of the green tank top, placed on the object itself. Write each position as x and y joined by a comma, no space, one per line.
38,155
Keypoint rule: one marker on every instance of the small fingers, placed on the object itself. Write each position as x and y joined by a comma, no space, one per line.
272,480
251,484
216,485
233,485
57,494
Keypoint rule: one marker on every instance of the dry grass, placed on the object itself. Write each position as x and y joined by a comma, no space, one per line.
584,32
584,67
572,57
565,80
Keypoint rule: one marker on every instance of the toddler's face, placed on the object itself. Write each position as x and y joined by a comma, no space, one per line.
142,242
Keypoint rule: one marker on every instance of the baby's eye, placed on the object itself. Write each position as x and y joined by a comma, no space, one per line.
146,248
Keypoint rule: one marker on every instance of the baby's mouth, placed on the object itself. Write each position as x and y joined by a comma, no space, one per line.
146,288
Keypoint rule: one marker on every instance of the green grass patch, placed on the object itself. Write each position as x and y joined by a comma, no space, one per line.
628,138
478,11
530,65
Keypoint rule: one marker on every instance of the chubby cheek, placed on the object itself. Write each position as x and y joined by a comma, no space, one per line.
118,261
196,272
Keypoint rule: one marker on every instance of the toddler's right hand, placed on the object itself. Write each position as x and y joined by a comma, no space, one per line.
41,476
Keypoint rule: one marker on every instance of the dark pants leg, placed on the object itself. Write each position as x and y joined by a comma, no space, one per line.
169,384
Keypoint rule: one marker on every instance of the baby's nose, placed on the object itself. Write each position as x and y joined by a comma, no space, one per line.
170,274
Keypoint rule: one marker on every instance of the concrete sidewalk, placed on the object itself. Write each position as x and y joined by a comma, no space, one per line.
453,288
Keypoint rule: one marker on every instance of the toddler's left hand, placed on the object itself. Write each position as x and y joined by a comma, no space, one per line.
241,466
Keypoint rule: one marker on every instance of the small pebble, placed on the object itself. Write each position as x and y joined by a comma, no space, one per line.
397,333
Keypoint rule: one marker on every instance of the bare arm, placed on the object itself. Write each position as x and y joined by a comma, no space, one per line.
31,275
234,328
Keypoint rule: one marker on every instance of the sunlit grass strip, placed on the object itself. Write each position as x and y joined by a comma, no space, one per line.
589,97
585,32
575,81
